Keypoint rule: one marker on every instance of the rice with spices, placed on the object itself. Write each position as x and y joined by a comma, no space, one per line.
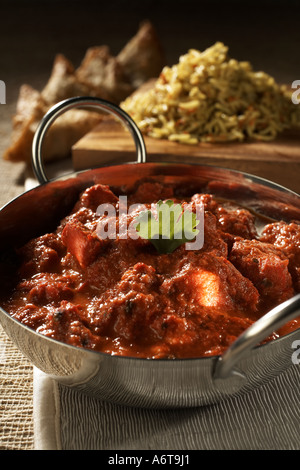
208,97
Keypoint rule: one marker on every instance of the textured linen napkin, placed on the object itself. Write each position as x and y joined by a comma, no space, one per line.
267,418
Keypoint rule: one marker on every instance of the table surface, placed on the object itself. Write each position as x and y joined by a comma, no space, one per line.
265,33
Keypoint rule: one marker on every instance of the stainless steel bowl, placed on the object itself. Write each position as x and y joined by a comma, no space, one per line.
137,382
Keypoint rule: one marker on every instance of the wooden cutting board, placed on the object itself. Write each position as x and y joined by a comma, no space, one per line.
278,160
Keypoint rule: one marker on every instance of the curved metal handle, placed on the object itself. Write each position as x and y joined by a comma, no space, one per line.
81,102
261,329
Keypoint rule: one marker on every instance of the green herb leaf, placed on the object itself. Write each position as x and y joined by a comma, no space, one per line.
167,226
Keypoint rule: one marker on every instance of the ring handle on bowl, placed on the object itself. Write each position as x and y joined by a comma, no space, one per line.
82,102
252,336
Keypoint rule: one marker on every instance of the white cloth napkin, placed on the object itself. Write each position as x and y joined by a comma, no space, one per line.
46,412
265,419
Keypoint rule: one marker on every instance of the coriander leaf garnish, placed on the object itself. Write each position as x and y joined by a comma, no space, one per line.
167,226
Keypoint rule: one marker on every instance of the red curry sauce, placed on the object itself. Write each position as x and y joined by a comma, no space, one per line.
122,297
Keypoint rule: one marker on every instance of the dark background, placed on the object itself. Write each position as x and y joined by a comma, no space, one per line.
265,32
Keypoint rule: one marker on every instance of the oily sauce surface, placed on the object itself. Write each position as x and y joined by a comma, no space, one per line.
120,296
